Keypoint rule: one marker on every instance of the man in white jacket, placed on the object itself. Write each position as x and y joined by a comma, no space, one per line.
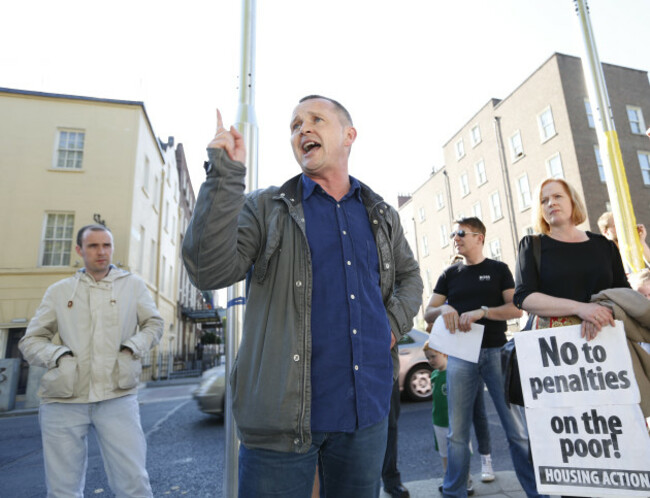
90,331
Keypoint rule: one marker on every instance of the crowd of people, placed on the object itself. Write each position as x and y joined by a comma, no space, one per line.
333,287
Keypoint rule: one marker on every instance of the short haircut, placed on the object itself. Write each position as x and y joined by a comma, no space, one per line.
426,347
472,221
578,215
639,278
343,112
95,227
604,221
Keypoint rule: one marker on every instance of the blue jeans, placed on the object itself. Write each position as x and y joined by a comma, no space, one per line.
462,380
481,424
349,465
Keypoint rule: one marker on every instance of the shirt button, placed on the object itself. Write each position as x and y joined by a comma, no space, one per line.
349,263
338,205
344,232
356,367
296,357
354,331
381,211
282,195
351,296
387,266
375,222
296,441
298,283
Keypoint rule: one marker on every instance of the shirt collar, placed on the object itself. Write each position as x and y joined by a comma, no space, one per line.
309,186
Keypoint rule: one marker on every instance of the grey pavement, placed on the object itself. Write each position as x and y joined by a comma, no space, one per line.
505,485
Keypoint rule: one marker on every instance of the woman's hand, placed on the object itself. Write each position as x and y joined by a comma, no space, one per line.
594,318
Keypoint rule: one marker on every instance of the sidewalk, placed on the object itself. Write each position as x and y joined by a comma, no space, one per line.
505,485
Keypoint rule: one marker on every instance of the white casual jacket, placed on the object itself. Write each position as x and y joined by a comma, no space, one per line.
94,320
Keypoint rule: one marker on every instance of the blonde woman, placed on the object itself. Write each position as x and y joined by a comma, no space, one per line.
574,263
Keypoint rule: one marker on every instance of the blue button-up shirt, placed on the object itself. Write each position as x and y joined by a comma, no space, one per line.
351,366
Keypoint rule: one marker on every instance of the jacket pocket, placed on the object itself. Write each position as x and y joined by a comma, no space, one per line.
128,370
60,381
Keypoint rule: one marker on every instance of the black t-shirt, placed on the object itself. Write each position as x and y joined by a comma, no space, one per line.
570,270
468,287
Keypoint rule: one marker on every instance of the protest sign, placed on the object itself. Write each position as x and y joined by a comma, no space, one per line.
463,345
587,433
580,449
559,368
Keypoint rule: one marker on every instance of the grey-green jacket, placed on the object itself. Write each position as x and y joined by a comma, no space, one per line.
231,233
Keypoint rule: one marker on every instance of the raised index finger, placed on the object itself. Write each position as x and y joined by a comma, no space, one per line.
219,122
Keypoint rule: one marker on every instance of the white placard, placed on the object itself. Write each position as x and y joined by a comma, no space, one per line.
590,450
559,368
463,345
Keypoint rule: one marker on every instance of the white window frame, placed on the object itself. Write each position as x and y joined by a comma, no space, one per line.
475,135
460,149
162,274
590,114
549,166
156,193
152,261
444,236
146,173
516,146
477,211
496,211
495,249
529,230
425,245
69,154
479,172
546,127
463,180
440,200
635,118
421,214
141,245
644,164
599,163
523,194
57,239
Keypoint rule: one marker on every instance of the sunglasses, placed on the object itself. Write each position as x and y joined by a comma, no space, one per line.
461,233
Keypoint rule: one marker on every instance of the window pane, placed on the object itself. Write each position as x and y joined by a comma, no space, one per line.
57,240
70,151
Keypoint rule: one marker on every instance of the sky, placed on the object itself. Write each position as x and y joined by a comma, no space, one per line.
411,73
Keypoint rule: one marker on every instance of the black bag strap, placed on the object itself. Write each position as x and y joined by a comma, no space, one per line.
537,252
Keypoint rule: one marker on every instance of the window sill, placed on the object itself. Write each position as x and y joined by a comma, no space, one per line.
544,140
518,158
67,170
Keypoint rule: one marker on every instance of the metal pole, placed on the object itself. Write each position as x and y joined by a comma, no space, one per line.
246,124
615,177
514,236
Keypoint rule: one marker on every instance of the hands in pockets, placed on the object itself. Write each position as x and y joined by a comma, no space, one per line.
60,381
129,369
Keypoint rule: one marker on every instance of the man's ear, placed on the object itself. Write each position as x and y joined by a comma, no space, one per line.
350,135
78,249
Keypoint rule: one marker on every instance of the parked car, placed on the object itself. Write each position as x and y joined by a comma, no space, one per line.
414,370
211,393
414,376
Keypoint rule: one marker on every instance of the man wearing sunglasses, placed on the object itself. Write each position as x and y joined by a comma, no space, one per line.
477,290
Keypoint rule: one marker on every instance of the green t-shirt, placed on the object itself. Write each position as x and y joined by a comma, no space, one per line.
439,398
